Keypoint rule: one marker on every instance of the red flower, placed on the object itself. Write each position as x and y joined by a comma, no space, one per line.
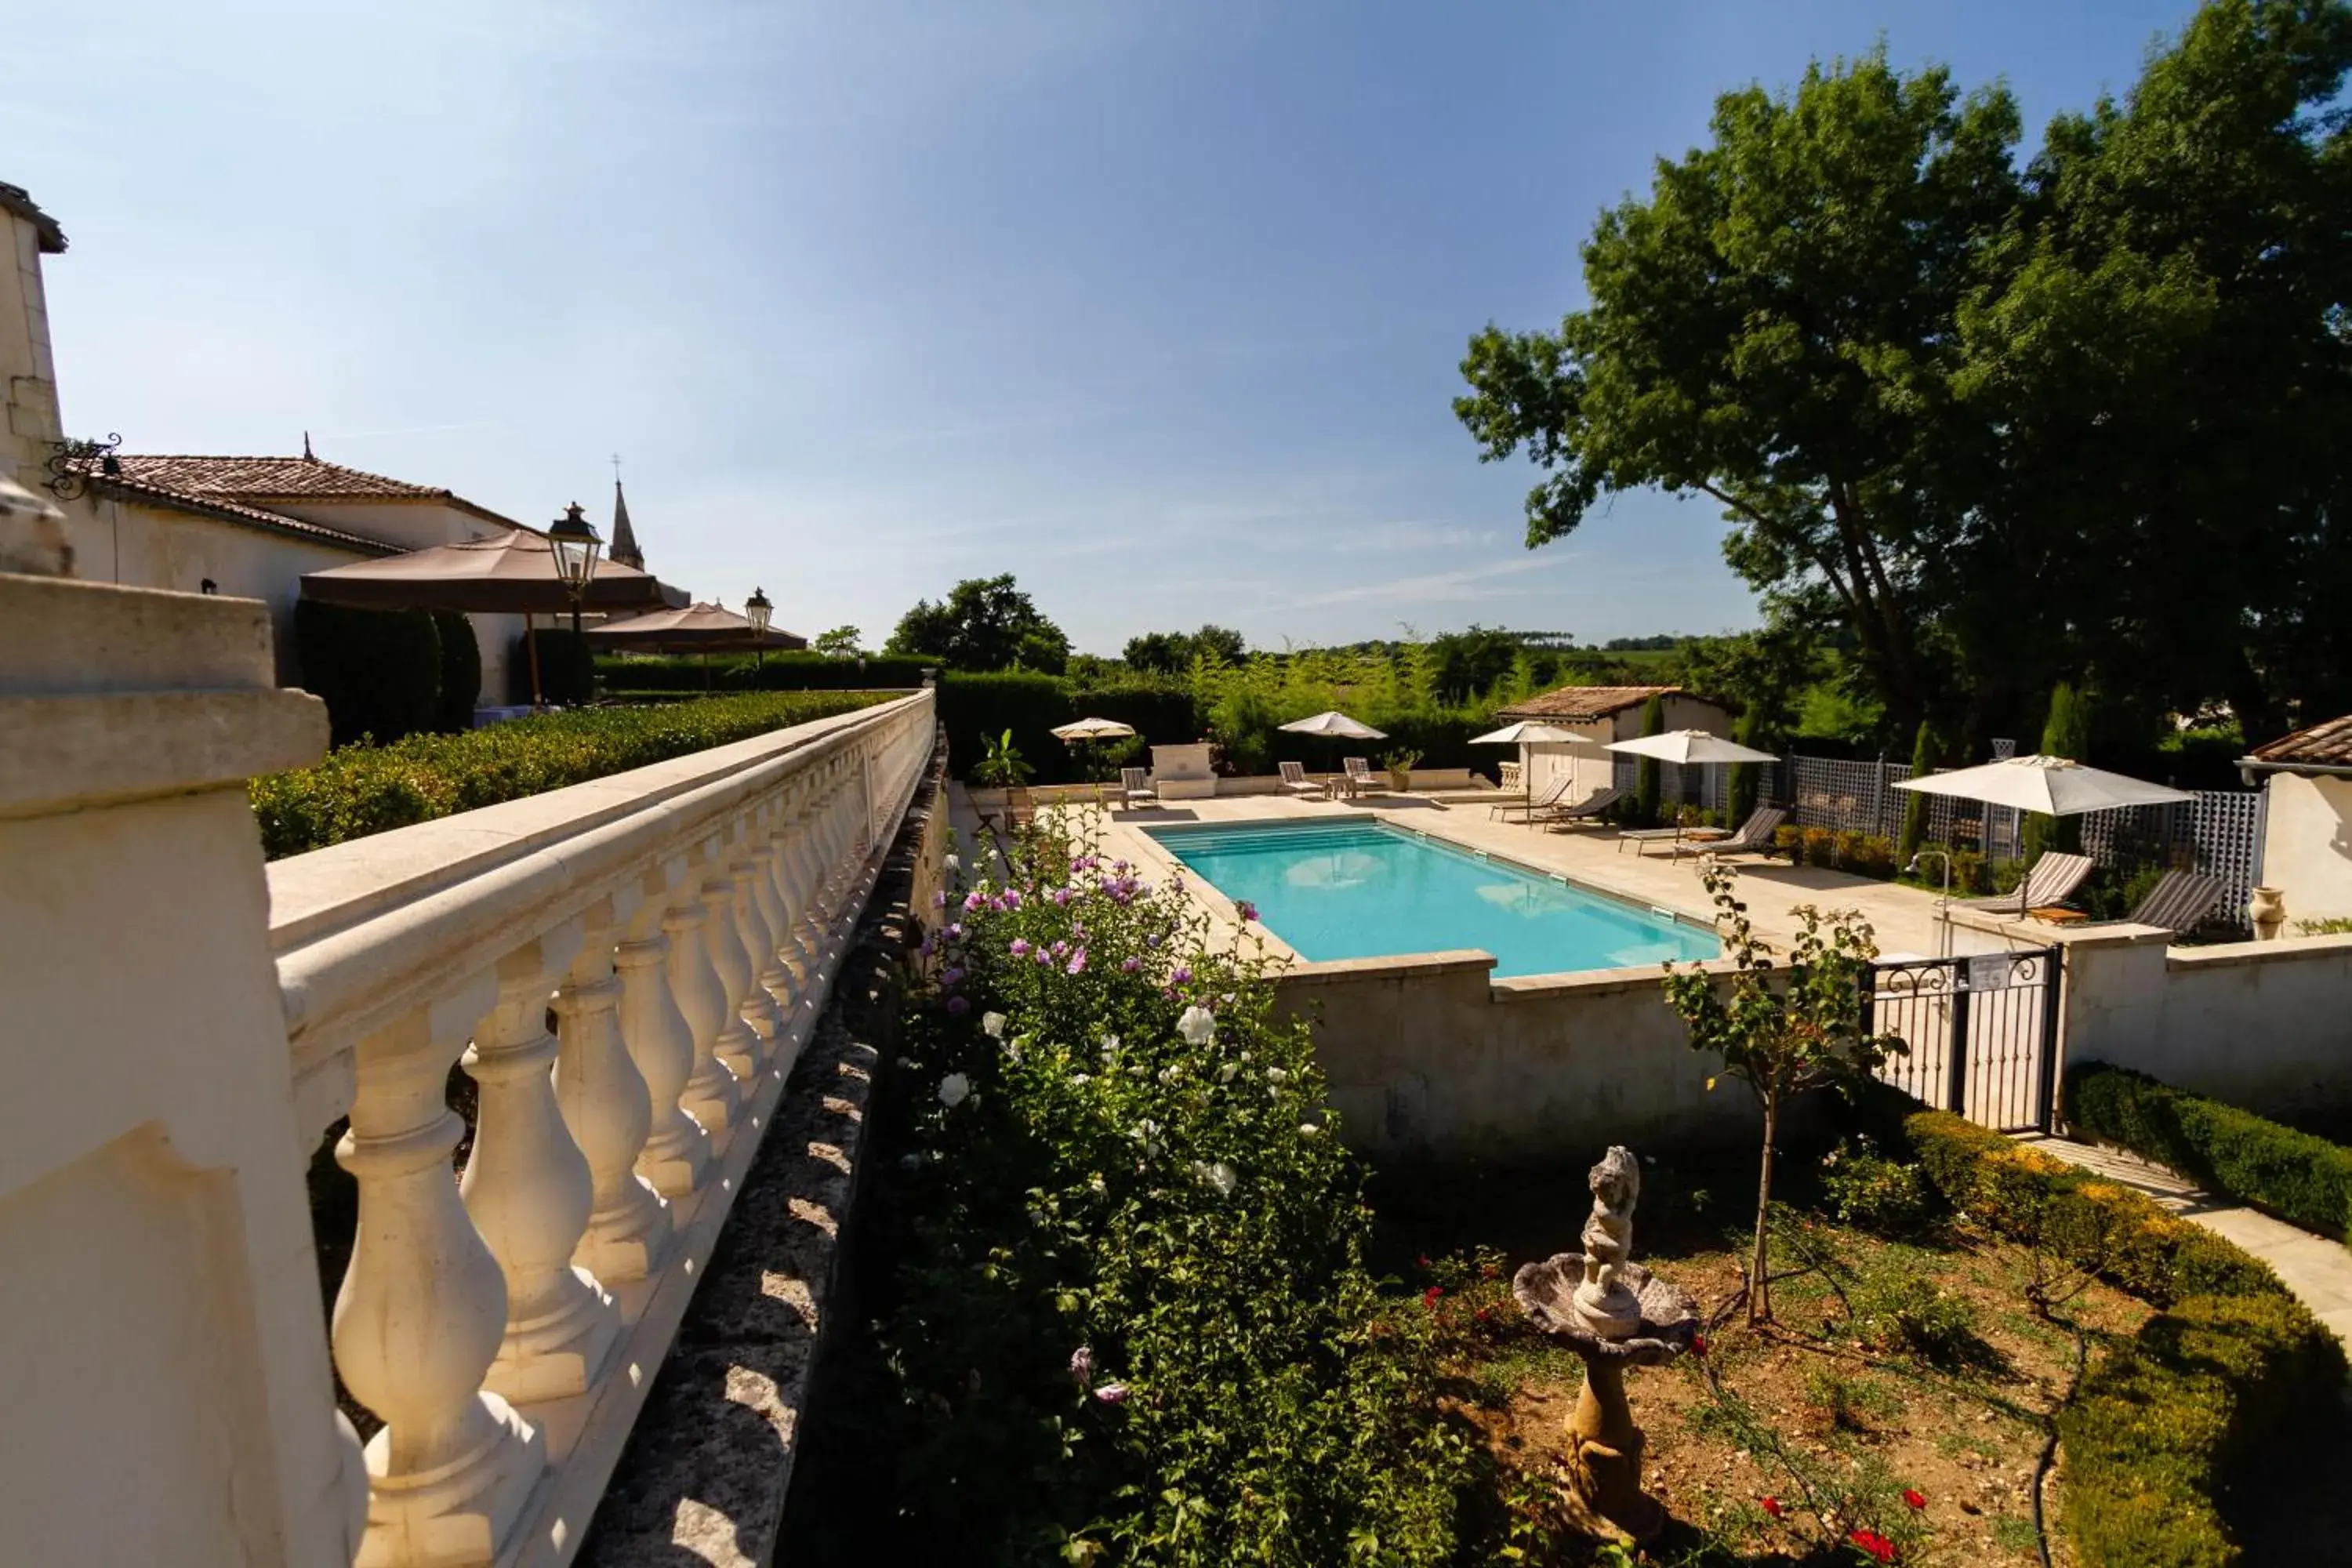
1698,1344
1879,1548
1423,1260
1913,1498
1772,1506
1429,1296
1485,1313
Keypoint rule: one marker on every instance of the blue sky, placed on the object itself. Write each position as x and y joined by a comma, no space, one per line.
1158,306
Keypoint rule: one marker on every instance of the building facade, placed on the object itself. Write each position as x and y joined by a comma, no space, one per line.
1596,716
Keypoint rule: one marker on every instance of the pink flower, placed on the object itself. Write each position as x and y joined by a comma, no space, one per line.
958,1005
1130,965
1078,962
1081,1364
1182,976
950,976
1112,1394
1244,908
1020,948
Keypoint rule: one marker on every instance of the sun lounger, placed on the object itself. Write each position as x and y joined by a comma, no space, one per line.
1361,780
2052,878
1520,803
1296,781
1588,809
1754,837
2179,901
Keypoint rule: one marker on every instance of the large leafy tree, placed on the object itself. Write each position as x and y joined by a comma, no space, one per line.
1171,653
2083,419
984,623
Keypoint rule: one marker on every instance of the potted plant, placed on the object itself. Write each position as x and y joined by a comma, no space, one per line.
1001,765
1399,769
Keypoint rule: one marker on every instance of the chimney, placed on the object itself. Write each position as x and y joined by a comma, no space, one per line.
30,427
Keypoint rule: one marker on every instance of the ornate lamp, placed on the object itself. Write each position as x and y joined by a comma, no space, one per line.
576,546
756,610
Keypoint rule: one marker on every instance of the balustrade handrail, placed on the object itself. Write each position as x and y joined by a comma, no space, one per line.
364,929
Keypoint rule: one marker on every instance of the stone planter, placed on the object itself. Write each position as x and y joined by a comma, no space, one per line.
2267,913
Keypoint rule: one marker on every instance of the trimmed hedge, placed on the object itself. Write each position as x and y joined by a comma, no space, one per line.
567,669
2303,1179
793,670
358,790
2156,1422
461,672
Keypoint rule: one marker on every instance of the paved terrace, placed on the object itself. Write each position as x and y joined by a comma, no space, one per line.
1904,918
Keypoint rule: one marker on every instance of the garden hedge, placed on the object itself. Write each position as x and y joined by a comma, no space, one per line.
567,669
778,671
2303,1179
361,789
461,672
2158,1421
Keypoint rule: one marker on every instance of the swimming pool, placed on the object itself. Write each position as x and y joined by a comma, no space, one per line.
1363,889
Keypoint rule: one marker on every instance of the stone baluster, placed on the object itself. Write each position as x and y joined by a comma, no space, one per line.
801,876
528,1187
712,1096
759,1008
776,977
676,1151
736,1045
422,1308
785,833
607,1108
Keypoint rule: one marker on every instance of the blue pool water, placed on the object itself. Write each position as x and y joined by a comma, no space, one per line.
1362,889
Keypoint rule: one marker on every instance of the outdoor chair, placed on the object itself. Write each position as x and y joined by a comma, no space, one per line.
1754,837
1579,813
1135,789
1361,780
2052,878
2179,901
1503,808
1296,781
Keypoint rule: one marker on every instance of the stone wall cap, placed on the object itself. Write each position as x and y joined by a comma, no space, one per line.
63,637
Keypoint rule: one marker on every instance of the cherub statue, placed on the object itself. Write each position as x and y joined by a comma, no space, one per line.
1604,1301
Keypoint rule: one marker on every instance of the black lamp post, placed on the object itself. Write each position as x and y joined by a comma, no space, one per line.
576,546
756,610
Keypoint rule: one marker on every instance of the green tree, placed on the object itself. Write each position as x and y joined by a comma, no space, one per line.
1747,778
1782,1034
1221,644
1172,653
842,642
1646,769
1473,662
985,623
2065,733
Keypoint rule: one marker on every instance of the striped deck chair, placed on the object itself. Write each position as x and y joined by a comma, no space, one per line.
2053,877
1578,813
2179,901
1296,781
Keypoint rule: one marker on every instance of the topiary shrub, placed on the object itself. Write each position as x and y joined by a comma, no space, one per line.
567,667
2303,1179
379,671
1646,769
461,672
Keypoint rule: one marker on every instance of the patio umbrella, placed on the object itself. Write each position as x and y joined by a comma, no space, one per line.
1691,748
1525,732
2052,786
1086,731
509,574
1337,725
697,628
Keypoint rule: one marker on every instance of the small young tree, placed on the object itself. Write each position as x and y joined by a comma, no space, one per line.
1645,771
1747,778
1782,1033
1927,751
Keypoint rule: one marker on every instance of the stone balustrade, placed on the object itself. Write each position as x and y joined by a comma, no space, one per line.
626,970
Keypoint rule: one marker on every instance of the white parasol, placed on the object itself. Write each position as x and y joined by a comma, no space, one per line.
2052,786
1691,748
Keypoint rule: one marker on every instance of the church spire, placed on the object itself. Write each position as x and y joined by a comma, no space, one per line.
624,547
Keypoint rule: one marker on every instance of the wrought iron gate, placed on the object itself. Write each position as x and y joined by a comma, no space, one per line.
1982,1031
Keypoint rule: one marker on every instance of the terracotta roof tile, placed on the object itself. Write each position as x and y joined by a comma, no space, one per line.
279,478
230,511
2327,745
1582,704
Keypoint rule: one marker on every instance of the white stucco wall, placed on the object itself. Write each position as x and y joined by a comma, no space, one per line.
2265,1025
2307,844
29,377
1430,1056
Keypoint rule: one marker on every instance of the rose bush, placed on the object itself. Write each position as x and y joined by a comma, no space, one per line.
1130,1314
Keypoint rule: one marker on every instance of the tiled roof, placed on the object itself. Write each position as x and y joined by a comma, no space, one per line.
16,199
272,478
125,488
2327,745
1582,704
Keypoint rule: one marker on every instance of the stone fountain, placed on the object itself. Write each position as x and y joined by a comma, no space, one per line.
1614,1314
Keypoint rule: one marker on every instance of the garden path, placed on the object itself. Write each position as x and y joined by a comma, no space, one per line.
2318,1269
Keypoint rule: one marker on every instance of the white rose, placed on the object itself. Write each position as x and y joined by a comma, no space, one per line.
1276,1074
992,1024
1197,1024
1309,1130
952,865
1225,1073
953,1090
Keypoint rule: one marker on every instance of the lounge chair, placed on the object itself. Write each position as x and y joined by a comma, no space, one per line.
1503,808
1296,781
1135,789
1588,809
1754,837
2052,878
2179,901
1361,780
